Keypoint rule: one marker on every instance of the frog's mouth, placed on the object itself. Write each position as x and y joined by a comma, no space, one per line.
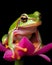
25,29
30,25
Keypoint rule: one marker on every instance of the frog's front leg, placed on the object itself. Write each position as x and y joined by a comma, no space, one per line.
38,42
10,42
14,47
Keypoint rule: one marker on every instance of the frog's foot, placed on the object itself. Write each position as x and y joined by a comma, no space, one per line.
18,57
13,54
20,48
16,50
6,46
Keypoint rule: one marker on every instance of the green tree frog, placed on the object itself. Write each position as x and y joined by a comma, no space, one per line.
25,25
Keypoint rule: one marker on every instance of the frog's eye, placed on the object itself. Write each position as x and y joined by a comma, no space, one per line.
24,18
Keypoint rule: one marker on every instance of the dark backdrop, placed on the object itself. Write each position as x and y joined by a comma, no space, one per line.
11,10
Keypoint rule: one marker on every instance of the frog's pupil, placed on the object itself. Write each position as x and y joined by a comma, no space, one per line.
24,19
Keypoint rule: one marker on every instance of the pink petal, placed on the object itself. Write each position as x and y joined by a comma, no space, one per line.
8,55
26,43
2,48
44,49
45,57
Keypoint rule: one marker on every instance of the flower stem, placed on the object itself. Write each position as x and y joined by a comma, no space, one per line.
19,62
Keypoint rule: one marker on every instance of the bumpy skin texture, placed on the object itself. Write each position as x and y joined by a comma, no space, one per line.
15,48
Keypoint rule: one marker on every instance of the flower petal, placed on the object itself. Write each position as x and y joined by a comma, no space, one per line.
26,43
45,57
44,49
8,55
2,48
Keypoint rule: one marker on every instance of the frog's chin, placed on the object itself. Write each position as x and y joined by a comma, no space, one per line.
31,37
21,32
26,31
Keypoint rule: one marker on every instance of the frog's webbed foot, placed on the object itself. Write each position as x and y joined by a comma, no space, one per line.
15,51
13,55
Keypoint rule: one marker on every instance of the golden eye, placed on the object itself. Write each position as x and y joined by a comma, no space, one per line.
24,17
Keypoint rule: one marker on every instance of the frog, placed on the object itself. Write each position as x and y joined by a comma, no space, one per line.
26,26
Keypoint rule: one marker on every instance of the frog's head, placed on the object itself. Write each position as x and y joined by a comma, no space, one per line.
27,21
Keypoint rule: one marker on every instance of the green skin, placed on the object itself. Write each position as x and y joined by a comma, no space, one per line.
25,24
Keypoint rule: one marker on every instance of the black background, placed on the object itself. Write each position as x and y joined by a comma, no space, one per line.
11,10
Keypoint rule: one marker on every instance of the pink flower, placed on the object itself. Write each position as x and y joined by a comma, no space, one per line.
25,47
7,53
